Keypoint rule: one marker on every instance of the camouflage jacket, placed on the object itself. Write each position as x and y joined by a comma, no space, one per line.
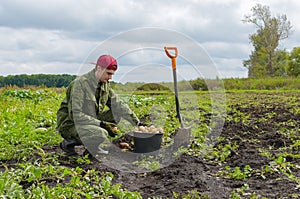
80,106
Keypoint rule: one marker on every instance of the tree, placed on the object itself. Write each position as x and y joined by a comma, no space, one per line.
263,60
47,80
293,68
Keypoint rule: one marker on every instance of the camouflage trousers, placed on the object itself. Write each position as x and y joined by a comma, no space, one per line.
90,135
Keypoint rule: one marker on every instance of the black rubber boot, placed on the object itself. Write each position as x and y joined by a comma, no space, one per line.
68,146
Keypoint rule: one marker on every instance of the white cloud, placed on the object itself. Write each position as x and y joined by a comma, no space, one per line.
40,67
230,68
221,49
31,50
56,36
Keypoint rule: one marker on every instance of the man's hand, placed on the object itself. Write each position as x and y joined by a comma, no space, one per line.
141,123
111,128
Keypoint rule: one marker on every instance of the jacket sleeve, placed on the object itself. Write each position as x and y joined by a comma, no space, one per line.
83,105
121,109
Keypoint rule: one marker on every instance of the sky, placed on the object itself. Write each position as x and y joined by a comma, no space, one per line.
64,36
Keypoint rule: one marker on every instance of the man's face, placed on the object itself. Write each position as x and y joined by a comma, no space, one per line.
104,75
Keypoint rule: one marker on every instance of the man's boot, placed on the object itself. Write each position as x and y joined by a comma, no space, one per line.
68,146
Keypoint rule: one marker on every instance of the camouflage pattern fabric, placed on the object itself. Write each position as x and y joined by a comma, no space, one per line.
85,105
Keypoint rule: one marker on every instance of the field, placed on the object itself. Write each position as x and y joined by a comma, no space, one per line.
245,145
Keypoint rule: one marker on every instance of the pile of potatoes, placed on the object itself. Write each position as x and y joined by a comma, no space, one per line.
148,129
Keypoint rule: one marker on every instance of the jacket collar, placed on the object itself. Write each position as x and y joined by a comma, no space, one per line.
94,83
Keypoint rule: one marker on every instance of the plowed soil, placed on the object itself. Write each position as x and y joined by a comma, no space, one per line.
261,131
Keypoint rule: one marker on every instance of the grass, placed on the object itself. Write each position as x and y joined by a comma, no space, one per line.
28,121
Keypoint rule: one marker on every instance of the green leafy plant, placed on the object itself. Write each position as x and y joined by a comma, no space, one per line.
239,174
148,163
221,152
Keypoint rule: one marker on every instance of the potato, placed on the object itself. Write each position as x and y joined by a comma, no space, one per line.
160,129
115,129
124,145
142,128
150,129
153,130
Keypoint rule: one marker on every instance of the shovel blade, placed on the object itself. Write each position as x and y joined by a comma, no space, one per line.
182,137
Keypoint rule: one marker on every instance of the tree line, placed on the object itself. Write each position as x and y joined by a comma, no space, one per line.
58,81
48,80
63,80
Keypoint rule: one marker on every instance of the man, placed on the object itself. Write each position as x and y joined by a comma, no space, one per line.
90,111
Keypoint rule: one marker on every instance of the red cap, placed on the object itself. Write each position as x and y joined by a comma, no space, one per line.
107,61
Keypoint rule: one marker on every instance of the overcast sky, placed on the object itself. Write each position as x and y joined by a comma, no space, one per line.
64,36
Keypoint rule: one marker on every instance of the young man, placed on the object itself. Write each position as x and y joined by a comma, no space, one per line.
90,111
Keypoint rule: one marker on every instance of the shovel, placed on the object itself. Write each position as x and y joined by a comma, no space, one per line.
182,134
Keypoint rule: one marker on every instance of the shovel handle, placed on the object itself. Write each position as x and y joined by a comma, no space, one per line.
173,57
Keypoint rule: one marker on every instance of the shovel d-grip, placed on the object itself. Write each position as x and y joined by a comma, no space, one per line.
173,57
182,134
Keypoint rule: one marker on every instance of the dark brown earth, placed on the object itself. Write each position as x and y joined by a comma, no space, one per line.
196,173
189,172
